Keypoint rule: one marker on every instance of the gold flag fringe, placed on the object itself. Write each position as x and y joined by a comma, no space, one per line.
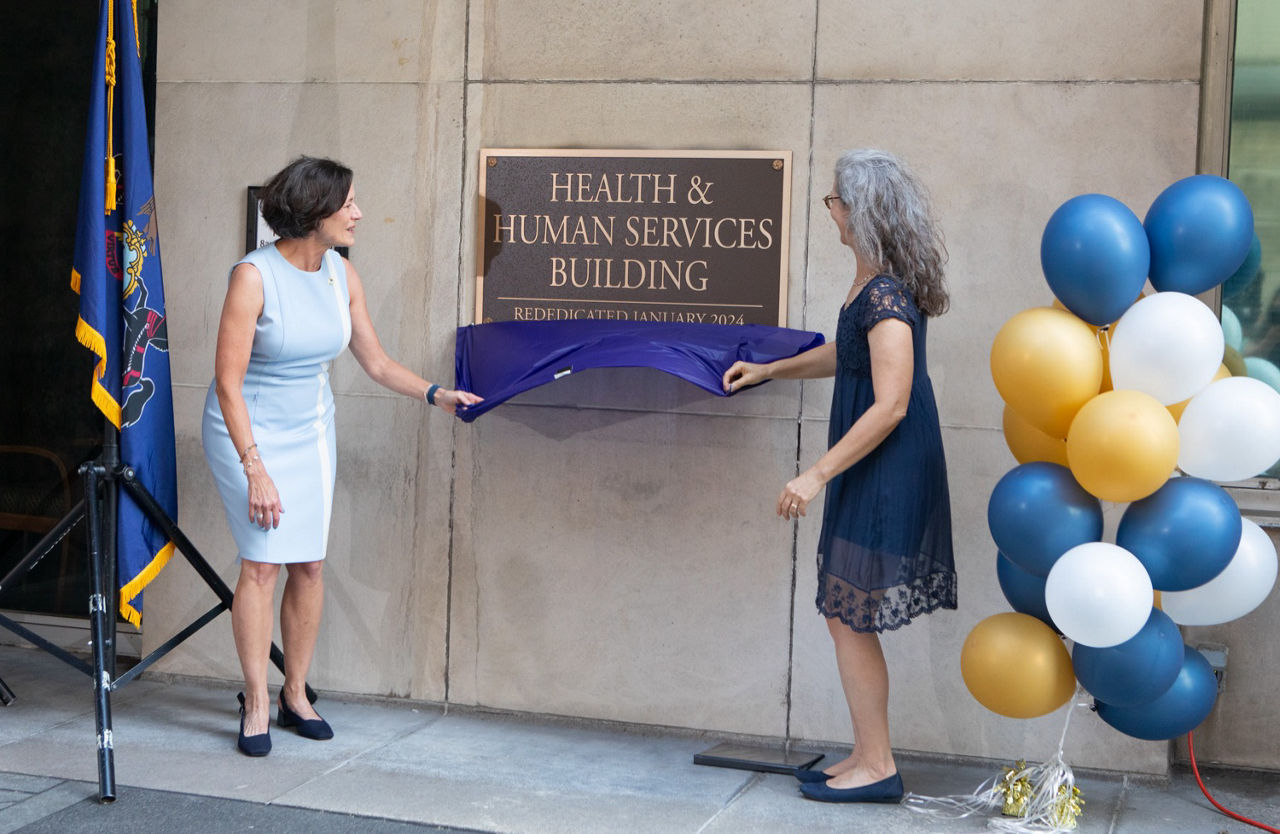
128,592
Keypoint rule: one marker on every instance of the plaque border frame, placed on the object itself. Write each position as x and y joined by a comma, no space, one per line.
784,260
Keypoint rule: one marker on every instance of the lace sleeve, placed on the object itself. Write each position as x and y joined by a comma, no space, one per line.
887,299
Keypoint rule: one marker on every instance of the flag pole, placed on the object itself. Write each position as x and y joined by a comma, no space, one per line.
110,525
98,484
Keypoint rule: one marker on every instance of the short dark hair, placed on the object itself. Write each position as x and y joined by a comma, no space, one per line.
303,193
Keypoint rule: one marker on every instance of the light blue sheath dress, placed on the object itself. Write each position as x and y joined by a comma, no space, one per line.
305,323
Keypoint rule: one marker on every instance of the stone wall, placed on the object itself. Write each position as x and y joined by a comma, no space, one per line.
606,546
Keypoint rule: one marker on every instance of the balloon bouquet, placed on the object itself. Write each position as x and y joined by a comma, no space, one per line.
1108,394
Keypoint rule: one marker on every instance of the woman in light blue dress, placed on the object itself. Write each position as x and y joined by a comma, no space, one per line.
291,308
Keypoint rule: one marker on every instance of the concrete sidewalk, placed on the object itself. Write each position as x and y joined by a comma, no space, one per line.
398,766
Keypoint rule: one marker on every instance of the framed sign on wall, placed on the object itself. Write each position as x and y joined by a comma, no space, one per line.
257,233
633,235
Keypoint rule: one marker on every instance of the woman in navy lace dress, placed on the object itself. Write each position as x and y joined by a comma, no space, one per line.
884,555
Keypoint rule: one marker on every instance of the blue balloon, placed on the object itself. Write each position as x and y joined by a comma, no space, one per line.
1095,256
1180,709
1200,229
1184,533
1137,671
1037,512
1023,590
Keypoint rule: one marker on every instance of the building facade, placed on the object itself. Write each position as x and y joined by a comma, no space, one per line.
606,547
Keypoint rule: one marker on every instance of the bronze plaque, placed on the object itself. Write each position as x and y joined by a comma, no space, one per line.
667,236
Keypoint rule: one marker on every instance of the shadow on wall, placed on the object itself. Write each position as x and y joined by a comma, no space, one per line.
604,397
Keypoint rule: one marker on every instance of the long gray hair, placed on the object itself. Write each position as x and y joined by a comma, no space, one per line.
892,225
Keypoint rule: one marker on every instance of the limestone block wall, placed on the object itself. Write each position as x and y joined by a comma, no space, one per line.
605,547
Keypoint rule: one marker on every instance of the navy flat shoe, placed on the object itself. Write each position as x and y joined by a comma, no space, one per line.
807,776
313,728
886,790
255,745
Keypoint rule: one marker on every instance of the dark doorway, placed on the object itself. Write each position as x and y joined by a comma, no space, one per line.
48,425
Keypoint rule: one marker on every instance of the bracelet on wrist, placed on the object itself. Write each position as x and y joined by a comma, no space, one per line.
247,450
430,396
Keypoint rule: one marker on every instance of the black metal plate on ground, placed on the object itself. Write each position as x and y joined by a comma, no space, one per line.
748,757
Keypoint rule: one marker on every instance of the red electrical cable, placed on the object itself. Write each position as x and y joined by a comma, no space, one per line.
1191,751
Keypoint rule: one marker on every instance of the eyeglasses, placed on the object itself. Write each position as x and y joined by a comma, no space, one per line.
826,201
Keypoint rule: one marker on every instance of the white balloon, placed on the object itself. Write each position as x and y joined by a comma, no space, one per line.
1231,430
1098,594
1168,345
1241,587
1232,332
1263,369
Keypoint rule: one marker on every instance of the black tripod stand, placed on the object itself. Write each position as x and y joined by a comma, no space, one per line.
102,480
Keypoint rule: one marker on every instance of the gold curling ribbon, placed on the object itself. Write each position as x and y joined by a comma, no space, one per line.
1067,808
1016,787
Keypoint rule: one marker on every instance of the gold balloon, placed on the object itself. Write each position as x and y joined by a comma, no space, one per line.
1015,665
1123,446
1177,408
1029,444
1046,364
1234,361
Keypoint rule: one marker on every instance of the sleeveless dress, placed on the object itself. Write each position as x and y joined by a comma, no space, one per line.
305,323
885,553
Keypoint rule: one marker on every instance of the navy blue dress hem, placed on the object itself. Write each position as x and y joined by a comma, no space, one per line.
885,551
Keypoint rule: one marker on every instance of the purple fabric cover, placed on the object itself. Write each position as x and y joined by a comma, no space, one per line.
502,359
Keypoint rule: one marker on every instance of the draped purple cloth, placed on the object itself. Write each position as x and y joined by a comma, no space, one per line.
506,358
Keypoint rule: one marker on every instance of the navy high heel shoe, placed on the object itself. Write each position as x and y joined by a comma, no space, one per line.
886,790
254,745
314,728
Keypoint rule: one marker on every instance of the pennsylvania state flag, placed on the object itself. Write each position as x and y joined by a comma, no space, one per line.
116,271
